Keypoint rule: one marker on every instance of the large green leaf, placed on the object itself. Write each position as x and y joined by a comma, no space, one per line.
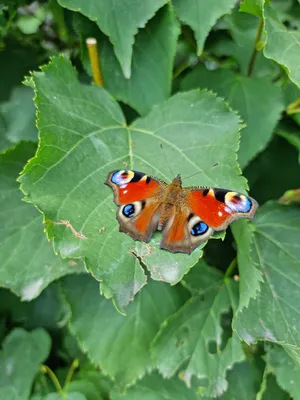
84,137
201,16
154,387
152,61
283,45
258,101
118,344
20,360
193,342
286,371
250,276
27,261
119,20
272,315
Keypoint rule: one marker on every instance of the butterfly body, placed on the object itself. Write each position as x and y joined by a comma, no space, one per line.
187,217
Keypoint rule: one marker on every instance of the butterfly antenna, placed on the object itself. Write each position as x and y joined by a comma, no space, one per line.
201,172
165,157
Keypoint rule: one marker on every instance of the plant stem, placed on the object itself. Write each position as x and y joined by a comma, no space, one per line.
46,370
95,61
70,373
231,268
254,53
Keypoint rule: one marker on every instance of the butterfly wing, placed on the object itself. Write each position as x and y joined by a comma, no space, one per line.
184,231
139,199
219,207
202,212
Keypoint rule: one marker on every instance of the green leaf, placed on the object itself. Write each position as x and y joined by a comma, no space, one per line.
202,278
152,61
192,340
84,137
291,134
283,45
104,385
270,390
258,101
201,16
19,116
243,382
154,387
16,59
254,7
46,311
65,396
118,344
9,392
250,276
285,370
85,387
20,360
120,21
275,248
27,261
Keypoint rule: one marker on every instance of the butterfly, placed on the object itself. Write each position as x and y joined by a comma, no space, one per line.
187,217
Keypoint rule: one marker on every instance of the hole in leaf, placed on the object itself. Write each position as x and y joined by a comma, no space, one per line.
226,321
212,347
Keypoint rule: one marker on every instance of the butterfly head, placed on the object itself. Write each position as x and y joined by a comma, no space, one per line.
177,181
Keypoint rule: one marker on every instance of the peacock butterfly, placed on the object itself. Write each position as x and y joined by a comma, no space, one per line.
187,217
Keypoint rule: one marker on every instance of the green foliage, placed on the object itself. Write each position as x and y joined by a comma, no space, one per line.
28,263
158,39
193,338
86,312
22,354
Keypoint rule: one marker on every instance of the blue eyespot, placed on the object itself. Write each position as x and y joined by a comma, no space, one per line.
117,178
240,204
247,205
199,229
128,211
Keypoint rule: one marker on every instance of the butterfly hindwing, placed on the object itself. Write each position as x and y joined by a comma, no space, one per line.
139,197
185,231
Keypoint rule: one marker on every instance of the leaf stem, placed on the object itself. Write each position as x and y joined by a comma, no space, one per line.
95,61
70,373
254,53
231,268
46,370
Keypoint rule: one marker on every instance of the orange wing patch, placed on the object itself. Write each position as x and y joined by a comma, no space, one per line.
208,208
